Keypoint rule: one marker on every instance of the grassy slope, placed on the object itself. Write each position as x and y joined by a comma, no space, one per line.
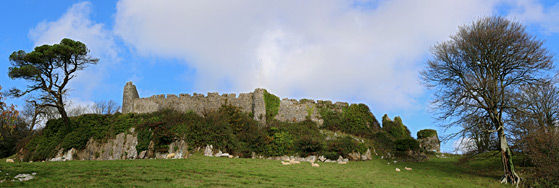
221,172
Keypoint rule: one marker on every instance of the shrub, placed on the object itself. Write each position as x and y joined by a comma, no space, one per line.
12,138
43,145
359,120
309,146
396,129
331,155
356,119
332,119
383,140
218,132
343,146
76,139
542,148
305,134
361,147
407,144
278,143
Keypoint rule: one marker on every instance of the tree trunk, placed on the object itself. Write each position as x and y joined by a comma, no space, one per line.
64,116
62,110
510,175
33,121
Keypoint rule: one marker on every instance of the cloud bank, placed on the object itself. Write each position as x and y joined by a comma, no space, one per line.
534,12
367,51
76,24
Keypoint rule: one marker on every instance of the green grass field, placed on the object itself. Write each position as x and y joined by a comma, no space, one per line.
200,171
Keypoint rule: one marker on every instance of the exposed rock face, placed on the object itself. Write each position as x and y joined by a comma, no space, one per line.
428,140
123,146
354,156
366,156
142,155
357,156
180,148
209,151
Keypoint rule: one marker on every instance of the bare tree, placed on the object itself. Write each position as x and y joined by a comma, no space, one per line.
474,128
537,108
105,107
478,71
32,113
77,110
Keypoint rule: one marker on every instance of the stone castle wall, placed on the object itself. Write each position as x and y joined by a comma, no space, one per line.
290,110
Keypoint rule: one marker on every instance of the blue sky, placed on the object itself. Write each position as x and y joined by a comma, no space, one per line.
356,51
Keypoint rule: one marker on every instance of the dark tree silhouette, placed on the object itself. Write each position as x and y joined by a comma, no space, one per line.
477,73
49,68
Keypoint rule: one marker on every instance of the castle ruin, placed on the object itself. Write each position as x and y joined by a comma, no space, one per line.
290,110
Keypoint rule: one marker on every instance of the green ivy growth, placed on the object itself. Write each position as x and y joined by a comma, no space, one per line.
426,133
310,111
396,129
272,103
355,119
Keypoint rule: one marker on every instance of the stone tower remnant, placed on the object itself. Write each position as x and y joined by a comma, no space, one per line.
429,140
128,95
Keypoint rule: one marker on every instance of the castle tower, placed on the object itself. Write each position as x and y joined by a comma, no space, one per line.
128,95
259,106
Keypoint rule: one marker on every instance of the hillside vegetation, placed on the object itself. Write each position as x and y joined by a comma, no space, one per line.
231,130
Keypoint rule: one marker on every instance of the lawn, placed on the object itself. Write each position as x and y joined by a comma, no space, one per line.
200,171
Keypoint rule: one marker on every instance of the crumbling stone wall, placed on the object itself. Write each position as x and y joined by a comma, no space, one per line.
185,102
290,110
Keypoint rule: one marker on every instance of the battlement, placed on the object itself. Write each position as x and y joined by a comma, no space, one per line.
290,110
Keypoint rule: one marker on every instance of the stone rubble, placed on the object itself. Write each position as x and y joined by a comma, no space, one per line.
24,177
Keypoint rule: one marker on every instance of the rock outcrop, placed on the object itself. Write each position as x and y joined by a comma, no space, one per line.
123,146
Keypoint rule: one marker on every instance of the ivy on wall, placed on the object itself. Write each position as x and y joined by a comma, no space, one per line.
272,103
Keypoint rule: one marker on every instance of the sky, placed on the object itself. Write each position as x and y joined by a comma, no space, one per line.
360,51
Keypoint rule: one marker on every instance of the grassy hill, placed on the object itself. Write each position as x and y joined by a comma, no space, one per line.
238,133
200,171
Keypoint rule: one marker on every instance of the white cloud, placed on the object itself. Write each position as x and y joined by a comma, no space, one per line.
534,12
76,24
464,145
322,49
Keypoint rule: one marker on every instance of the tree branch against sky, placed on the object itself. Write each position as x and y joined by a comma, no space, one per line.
49,68
477,72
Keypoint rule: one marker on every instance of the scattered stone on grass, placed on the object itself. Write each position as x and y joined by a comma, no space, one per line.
24,177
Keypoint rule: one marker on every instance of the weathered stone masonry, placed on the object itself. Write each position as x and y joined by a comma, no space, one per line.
290,110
